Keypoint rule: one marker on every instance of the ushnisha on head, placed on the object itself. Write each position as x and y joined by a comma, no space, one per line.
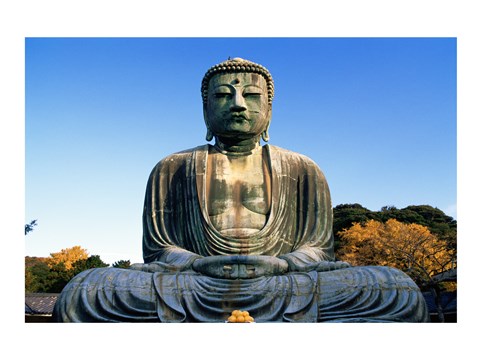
237,101
237,65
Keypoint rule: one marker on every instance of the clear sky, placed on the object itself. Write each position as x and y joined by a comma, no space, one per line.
378,115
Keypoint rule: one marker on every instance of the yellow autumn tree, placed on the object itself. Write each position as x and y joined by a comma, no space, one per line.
411,248
67,256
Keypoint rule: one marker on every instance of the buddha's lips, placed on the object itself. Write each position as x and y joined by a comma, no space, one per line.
237,117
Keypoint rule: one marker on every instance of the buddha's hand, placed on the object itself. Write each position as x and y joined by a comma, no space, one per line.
240,266
331,265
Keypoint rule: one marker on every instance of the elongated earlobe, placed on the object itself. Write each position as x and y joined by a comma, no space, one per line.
209,135
265,136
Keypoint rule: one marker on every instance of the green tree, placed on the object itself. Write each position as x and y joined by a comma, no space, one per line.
91,262
50,275
435,219
29,227
122,264
440,224
42,278
36,275
345,215
58,277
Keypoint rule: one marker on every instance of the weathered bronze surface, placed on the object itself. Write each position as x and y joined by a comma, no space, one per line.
237,225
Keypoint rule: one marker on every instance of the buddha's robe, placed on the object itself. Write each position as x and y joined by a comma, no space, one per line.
177,230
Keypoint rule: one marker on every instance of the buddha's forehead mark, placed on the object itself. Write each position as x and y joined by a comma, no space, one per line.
249,78
238,79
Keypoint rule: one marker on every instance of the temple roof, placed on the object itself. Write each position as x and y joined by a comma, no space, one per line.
40,303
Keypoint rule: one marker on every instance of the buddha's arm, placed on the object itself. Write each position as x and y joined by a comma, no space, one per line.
314,249
171,259
305,258
162,238
178,257
309,258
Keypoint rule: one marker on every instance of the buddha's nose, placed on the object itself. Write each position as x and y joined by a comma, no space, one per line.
238,102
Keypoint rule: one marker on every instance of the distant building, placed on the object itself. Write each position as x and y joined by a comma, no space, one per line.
39,306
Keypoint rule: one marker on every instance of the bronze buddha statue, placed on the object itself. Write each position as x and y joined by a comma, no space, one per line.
238,225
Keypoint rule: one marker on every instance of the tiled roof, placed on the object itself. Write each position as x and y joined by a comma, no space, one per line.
39,303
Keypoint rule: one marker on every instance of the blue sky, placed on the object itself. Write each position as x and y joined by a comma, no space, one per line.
378,115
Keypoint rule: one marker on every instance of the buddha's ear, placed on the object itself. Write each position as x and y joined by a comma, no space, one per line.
265,135
209,135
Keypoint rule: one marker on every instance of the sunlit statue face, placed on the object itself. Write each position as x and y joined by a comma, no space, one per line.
237,105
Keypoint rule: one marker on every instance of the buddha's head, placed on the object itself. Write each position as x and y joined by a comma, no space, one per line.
237,100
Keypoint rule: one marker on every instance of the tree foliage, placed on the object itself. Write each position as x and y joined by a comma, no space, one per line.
36,274
67,256
53,273
29,227
345,215
412,248
440,224
91,262
122,264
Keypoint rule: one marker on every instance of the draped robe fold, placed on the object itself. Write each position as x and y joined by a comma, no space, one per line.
177,230
177,227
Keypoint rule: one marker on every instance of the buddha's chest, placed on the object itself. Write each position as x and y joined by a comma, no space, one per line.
238,190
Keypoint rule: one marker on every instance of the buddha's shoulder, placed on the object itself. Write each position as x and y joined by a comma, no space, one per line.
180,158
187,153
291,156
296,163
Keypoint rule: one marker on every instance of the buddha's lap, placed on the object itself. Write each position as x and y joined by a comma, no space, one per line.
374,277
379,292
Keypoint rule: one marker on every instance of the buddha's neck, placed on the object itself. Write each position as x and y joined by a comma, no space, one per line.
236,147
